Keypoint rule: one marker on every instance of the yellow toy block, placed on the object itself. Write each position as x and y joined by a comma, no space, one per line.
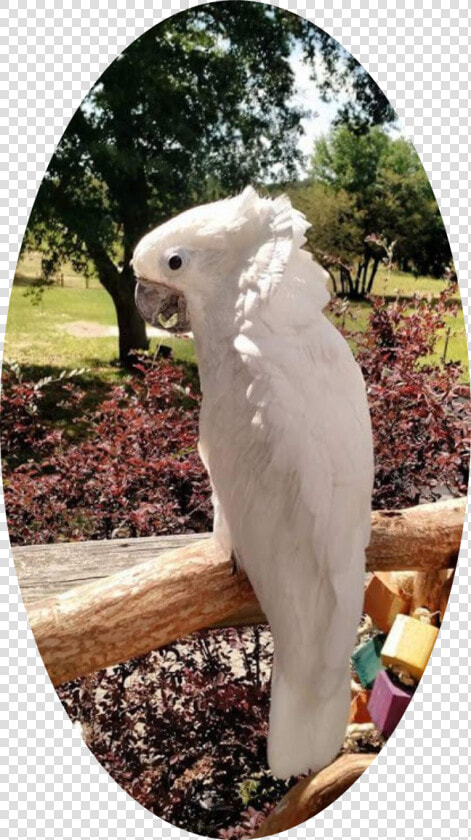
409,645
384,600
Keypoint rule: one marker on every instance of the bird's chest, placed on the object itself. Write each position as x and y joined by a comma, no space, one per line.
233,439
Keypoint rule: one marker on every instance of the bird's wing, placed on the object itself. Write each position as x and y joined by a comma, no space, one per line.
309,398
301,368
312,398
310,404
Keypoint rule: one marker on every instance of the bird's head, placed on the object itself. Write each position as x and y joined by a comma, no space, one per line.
190,258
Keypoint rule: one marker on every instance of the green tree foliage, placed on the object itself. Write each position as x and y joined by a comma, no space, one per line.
410,213
367,105
352,162
195,109
369,192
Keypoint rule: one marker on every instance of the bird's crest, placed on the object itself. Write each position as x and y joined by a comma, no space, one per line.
272,226
281,284
231,215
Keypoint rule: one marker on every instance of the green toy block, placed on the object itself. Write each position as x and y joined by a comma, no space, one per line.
366,660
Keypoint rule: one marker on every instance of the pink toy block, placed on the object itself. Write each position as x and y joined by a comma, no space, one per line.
387,703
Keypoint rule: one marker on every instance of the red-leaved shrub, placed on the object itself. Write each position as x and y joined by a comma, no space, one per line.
184,729
136,472
134,469
420,411
25,406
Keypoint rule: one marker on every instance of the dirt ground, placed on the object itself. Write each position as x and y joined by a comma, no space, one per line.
91,329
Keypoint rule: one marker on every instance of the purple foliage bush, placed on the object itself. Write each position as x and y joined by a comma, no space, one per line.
183,730
420,410
134,472
134,469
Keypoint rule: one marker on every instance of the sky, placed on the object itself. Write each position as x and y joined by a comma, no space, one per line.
307,96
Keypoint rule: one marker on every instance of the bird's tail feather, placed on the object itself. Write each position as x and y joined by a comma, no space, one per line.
306,730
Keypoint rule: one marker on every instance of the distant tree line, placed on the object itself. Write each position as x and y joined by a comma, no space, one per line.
369,199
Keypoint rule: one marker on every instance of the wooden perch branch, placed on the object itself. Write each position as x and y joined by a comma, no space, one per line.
310,796
136,610
422,538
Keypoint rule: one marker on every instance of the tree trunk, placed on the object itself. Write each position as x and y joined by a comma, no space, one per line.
356,284
331,274
364,275
372,275
132,328
347,282
120,285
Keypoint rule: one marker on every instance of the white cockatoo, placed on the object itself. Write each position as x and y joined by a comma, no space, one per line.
286,438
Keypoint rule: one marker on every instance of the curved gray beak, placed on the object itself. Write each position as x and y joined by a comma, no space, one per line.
162,307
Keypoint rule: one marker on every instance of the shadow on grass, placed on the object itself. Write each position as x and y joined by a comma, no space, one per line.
70,398
24,280
67,281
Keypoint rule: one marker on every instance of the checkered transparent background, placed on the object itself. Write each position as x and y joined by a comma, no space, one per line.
418,52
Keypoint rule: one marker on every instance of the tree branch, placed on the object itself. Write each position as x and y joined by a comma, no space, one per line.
107,271
310,796
132,612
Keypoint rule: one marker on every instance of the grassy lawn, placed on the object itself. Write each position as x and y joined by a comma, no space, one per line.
35,334
406,285
37,337
29,269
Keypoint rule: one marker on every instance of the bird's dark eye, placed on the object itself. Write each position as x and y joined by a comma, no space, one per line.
175,262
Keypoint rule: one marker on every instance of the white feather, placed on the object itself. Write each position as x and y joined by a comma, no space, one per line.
285,435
